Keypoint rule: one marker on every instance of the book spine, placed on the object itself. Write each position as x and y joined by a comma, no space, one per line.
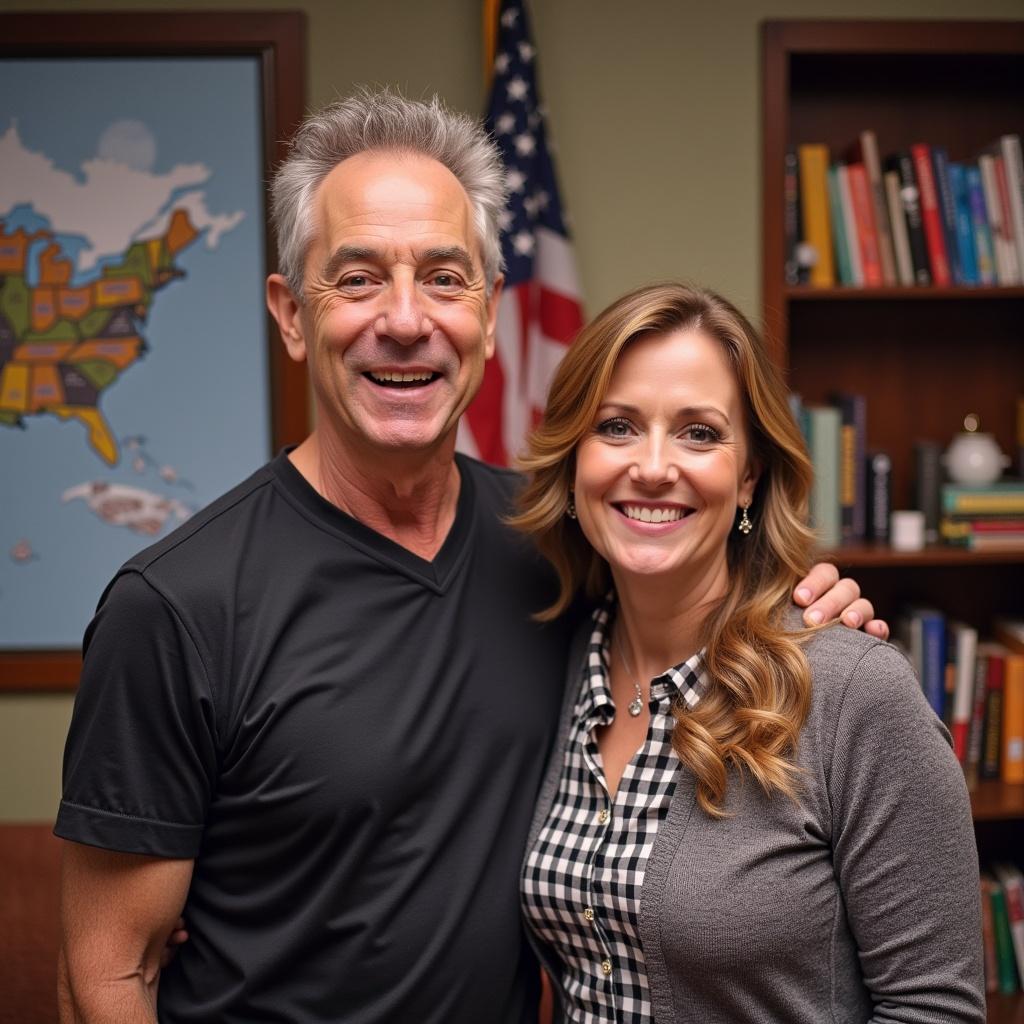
927,485
813,160
879,496
947,211
975,734
1004,942
903,164
853,431
898,229
966,644
992,750
964,230
849,224
1013,888
840,242
1013,718
930,217
1020,435
933,660
1002,245
867,236
1003,188
880,208
824,429
1014,161
980,232
795,274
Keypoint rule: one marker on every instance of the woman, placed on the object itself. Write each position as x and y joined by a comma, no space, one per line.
747,820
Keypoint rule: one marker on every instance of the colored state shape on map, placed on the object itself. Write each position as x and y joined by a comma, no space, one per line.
61,347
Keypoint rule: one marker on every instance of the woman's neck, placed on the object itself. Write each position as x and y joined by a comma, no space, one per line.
663,620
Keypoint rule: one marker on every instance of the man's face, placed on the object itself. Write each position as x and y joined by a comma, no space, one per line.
395,322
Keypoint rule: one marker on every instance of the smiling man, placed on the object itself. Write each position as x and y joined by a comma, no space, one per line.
314,718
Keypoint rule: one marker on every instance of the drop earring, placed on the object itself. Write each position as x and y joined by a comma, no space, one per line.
570,508
745,525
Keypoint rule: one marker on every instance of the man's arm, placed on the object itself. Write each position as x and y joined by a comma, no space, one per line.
825,596
117,912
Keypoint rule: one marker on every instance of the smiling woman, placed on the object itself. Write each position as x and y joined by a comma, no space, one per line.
773,792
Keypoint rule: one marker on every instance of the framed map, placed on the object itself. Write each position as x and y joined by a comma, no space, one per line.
139,375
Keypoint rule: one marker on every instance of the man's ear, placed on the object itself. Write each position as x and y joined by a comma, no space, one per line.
285,309
492,316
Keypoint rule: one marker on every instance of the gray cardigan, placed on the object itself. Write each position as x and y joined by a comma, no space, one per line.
857,902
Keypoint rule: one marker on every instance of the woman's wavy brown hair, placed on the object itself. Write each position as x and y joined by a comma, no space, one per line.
759,690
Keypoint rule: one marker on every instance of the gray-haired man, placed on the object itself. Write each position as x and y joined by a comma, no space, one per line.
315,717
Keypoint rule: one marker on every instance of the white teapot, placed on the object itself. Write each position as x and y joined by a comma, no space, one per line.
974,457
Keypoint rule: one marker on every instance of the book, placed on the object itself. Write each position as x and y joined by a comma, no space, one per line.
898,229
963,640
1004,252
878,498
1002,499
865,152
924,633
988,936
852,434
1020,435
1013,718
992,745
927,485
1009,225
813,161
947,211
849,224
1010,878
824,426
1010,149
903,165
966,253
795,273
976,729
980,232
1010,632
864,220
931,218
1005,957
839,240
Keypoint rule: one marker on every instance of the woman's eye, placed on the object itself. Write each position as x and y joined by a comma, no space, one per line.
701,433
615,428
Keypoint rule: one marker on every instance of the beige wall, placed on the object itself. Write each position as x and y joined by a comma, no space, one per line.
654,110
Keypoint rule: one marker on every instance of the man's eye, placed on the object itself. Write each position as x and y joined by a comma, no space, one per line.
444,280
617,427
355,281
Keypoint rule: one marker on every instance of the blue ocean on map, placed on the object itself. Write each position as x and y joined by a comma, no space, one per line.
190,412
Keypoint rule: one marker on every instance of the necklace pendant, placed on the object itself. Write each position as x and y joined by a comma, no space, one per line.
636,705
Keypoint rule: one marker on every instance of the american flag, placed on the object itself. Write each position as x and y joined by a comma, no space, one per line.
539,312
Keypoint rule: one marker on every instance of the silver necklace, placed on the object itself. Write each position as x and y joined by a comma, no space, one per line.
636,705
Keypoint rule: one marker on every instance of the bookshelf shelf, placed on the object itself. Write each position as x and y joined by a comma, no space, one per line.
806,293
880,556
922,356
997,801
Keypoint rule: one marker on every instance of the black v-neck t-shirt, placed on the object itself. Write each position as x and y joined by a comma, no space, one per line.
346,738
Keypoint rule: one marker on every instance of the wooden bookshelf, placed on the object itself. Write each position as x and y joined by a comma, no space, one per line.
923,356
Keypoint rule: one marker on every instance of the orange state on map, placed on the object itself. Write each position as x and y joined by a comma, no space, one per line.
117,291
12,251
179,232
53,268
74,303
43,310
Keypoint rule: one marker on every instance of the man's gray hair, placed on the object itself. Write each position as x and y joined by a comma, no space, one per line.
382,120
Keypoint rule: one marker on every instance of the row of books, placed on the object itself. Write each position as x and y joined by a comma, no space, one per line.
983,518
852,494
975,687
1002,928
916,218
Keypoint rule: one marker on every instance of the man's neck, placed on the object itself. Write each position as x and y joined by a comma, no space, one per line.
409,498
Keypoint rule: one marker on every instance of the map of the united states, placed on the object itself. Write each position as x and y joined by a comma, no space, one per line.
81,260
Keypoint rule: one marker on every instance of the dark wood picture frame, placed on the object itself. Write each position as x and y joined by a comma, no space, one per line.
277,39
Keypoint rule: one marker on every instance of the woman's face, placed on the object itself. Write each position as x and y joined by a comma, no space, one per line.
665,464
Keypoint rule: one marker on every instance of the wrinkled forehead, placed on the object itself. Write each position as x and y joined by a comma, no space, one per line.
394,197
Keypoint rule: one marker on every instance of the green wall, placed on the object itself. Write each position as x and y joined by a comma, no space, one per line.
654,110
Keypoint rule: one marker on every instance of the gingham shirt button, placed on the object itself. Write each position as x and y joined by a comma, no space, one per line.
606,967
589,914
603,816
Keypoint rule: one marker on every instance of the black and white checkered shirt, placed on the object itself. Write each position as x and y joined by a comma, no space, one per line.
582,880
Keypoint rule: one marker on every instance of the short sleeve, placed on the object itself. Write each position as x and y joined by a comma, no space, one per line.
904,848
141,754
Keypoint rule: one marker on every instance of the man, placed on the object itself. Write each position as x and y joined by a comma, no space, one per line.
315,717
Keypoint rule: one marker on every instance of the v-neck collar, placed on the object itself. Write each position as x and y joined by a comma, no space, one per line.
436,573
